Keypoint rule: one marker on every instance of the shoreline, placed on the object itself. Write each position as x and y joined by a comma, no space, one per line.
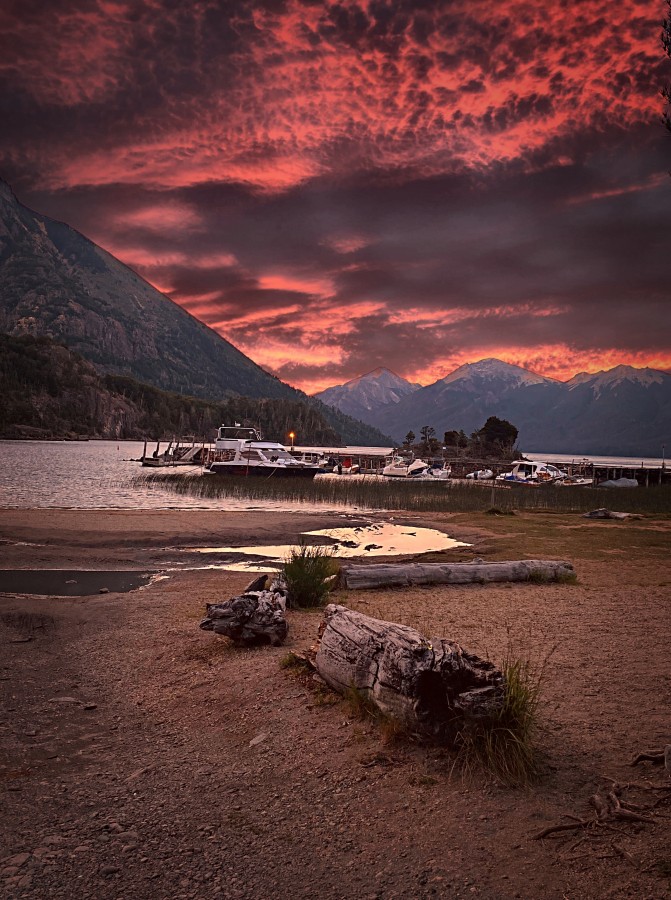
144,757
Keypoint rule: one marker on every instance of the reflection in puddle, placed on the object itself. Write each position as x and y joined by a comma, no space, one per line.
380,539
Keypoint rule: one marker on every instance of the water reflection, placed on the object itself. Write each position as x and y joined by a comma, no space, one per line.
101,475
378,539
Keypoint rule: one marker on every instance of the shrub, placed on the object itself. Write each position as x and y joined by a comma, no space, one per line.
308,574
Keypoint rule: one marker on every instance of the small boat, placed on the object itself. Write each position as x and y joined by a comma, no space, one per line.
532,473
481,475
179,455
405,467
242,451
577,481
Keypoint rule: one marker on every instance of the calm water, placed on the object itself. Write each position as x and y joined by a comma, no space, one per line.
99,475
96,475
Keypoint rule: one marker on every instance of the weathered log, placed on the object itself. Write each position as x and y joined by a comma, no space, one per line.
604,513
432,686
408,574
257,617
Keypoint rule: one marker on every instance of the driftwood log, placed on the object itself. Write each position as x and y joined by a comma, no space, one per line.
408,574
433,687
255,617
604,513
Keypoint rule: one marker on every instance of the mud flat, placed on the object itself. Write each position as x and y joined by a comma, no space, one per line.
141,757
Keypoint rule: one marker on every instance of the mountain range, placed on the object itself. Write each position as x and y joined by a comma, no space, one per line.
623,411
56,283
361,396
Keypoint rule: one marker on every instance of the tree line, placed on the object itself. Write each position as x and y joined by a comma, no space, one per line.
496,438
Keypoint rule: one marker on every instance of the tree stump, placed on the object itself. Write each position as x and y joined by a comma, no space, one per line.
408,574
256,617
434,687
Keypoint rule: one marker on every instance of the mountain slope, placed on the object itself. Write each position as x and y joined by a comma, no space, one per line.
360,396
56,283
50,392
466,398
624,411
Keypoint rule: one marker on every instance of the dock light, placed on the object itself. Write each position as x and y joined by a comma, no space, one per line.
292,436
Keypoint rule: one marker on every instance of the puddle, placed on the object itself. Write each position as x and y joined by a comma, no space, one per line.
71,582
380,539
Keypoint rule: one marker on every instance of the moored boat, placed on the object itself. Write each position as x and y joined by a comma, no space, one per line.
405,467
533,473
242,451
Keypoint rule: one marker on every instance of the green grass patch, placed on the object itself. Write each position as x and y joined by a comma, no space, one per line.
308,573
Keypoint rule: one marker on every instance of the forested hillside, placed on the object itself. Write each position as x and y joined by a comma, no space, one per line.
50,392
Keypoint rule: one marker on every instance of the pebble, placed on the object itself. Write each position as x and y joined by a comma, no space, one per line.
18,860
109,870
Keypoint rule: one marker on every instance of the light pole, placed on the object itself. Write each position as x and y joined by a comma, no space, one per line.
291,437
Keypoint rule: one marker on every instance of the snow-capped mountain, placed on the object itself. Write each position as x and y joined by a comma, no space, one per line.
623,411
607,380
361,396
470,375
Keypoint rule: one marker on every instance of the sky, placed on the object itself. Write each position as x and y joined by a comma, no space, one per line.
336,186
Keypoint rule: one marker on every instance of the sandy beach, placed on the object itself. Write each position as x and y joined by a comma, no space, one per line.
141,757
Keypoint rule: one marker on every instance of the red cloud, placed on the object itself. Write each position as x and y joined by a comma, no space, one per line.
310,89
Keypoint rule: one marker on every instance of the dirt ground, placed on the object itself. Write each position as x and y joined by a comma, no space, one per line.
143,758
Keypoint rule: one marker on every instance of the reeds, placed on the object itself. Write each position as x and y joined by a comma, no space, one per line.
397,494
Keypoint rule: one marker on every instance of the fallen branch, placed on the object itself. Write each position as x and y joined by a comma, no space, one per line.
408,574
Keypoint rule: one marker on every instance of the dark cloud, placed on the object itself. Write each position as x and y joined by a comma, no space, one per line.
358,180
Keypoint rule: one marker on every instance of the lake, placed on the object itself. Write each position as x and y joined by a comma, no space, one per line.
96,475
102,475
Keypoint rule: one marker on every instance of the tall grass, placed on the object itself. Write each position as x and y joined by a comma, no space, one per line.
388,494
308,574
505,746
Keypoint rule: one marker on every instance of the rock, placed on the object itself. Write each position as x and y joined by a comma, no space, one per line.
109,870
258,739
18,860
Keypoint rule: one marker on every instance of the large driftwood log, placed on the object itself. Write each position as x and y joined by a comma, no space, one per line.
256,617
408,574
432,686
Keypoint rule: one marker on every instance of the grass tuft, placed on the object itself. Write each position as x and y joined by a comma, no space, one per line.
505,746
291,660
361,706
308,575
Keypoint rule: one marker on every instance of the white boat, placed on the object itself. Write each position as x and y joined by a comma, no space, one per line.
405,467
534,473
577,481
242,451
481,475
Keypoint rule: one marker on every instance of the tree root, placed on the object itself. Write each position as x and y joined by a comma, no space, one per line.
658,757
610,807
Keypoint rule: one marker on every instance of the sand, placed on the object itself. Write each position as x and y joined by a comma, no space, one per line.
141,757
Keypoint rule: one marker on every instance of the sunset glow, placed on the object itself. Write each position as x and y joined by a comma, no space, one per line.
339,186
